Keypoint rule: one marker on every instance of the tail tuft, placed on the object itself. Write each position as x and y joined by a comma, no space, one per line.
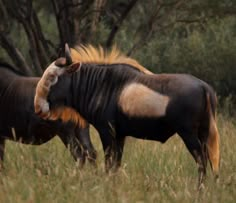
213,142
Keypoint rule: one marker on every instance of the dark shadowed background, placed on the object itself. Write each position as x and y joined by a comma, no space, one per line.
196,36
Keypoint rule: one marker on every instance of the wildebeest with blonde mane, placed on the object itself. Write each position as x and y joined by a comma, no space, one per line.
121,98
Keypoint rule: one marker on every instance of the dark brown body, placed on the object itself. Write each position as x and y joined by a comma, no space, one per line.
18,122
96,93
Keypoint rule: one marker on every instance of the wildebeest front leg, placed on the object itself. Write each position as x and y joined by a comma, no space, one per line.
75,147
108,147
193,144
83,136
2,148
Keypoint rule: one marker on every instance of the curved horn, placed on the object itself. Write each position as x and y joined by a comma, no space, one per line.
68,55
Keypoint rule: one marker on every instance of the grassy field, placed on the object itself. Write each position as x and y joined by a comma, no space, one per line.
151,172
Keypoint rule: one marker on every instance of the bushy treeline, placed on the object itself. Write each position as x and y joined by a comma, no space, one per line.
208,53
196,37
202,46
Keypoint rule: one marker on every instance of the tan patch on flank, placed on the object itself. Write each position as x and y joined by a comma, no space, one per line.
67,114
138,100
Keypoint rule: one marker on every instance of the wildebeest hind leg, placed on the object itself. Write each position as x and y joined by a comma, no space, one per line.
2,148
193,144
202,135
119,146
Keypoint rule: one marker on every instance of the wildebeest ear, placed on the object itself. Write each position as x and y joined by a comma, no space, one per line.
68,55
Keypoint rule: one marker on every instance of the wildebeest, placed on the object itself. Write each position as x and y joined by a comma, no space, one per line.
121,101
18,121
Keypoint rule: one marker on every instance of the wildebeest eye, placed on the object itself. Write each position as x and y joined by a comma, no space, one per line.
61,62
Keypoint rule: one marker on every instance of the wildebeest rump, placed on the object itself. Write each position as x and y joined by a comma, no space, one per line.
18,121
120,101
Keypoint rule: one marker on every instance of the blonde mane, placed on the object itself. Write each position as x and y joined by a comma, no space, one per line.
90,54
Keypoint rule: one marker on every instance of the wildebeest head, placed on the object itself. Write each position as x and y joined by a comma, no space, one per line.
60,95
50,78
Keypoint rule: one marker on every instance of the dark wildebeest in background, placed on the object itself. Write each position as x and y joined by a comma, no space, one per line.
18,122
120,101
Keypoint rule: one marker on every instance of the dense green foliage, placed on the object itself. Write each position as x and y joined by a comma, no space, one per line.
196,37
199,45
209,54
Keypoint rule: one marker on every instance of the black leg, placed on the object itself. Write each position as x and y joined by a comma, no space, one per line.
108,146
203,132
2,148
119,147
73,144
83,136
193,144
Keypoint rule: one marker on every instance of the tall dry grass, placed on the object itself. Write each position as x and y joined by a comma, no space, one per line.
151,172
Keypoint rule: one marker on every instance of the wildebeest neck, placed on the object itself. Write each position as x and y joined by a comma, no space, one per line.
96,88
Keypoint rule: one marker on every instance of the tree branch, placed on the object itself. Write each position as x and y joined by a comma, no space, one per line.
64,20
119,22
15,54
155,20
95,16
25,14
67,6
4,22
